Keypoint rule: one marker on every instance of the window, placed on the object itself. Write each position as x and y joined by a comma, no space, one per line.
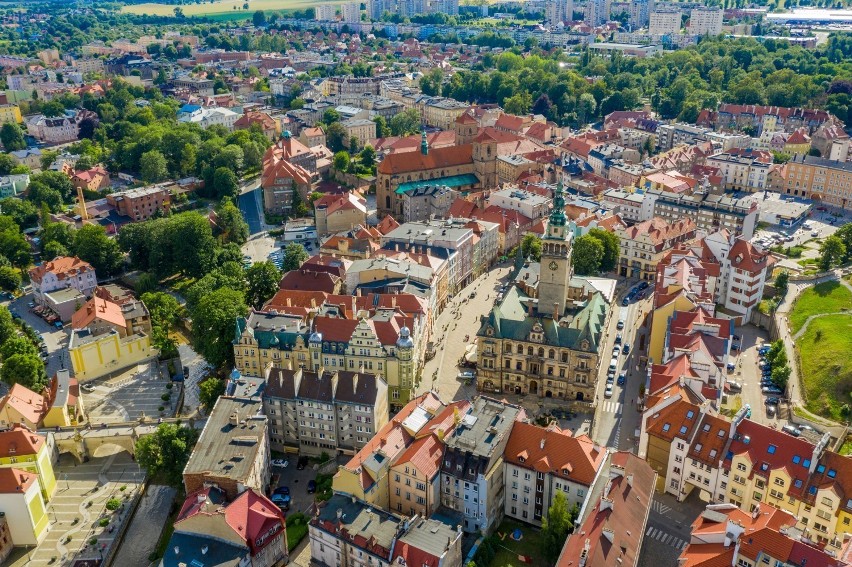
820,469
690,414
832,473
797,483
796,459
741,467
771,449
666,426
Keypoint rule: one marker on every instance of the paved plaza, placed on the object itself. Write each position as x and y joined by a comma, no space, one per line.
79,505
129,395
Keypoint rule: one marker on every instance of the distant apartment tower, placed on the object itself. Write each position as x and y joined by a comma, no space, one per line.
664,23
351,12
639,12
325,12
559,11
448,7
705,21
375,9
597,12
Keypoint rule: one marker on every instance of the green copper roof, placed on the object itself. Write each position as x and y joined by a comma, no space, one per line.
452,182
557,215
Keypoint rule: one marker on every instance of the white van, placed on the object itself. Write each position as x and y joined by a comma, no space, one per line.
613,364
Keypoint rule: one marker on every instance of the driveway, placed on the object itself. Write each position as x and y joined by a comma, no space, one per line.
251,205
297,480
55,339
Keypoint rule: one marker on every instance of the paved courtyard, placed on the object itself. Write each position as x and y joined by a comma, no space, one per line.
129,395
79,505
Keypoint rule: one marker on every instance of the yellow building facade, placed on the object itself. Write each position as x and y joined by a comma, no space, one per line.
95,356
660,325
23,449
10,113
22,503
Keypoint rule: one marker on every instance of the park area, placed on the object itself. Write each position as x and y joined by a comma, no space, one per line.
230,9
502,549
821,323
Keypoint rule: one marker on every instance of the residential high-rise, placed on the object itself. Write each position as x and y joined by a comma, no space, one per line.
325,12
351,12
558,11
664,23
597,12
705,21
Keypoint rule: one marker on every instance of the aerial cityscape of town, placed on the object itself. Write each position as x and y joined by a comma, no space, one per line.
426,283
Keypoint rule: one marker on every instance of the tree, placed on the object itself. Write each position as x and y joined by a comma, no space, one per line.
209,391
24,369
588,255
294,256
331,116
781,283
7,325
225,183
92,244
518,103
164,309
341,161
611,248
166,451
262,283
213,325
298,208
406,122
232,226
13,246
52,109
556,526
844,233
10,279
24,213
832,251
17,345
781,375
153,167
335,136
382,130
531,247
259,19
7,164
543,106
367,157
12,137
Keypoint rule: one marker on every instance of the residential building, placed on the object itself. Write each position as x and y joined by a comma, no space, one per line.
472,474
820,179
627,49
206,117
611,530
10,113
366,476
597,12
664,22
725,535
23,507
232,452
545,345
559,11
743,170
831,141
22,406
100,315
351,12
323,412
57,130
710,211
23,449
627,204
348,531
94,179
62,272
326,13
361,129
642,246
414,475
427,202
339,213
677,133
6,543
209,529
429,542
270,127
288,166
387,341
30,157
544,461
530,204
705,20
761,118
66,404
311,137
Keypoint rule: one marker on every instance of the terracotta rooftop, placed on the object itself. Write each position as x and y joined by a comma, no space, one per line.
554,451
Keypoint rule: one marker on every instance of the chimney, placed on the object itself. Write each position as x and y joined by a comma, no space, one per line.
555,311
541,444
630,480
530,307
608,534
584,554
234,419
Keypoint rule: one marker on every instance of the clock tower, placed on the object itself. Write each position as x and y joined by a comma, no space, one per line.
556,270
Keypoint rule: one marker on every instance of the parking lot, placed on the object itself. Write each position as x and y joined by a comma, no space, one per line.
54,339
297,481
129,396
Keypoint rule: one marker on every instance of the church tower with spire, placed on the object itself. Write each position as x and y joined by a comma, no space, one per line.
556,269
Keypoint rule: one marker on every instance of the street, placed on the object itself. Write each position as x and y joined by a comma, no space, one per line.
55,339
616,418
668,529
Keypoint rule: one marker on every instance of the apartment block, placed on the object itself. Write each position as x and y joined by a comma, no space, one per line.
642,246
704,20
61,273
664,23
819,178
323,412
743,170
710,211
472,474
141,203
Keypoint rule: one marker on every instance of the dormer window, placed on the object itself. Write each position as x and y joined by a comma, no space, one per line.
521,460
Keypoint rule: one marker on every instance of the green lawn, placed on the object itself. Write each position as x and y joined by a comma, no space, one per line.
509,549
827,297
825,364
219,7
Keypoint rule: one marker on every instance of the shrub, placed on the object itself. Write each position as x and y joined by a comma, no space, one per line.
93,541
123,488
169,386
161,408
113,504
104,522
165,397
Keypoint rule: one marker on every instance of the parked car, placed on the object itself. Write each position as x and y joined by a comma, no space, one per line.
88,388
618,339
731,367
312,486
626,349
622,378
283,490
804,427
610,379
466,375
302,463
31,304
771,411
643,285
771,390
626,301
619,326
283,463
616,351
608,391
281,500
734,386
791,430
772,401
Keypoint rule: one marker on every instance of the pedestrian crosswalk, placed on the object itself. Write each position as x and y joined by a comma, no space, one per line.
660,508
612,407
666,538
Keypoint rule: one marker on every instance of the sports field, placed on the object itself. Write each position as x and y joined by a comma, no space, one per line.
222,7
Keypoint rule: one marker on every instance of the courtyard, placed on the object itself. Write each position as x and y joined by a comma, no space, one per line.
130,395
81,525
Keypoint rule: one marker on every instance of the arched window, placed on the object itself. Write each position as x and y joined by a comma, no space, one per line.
541,352
520,349
551,354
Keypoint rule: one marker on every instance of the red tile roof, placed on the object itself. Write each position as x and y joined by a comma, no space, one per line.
62,266
28,404
408,162
18,441
554,451
16,481
309,280
98,308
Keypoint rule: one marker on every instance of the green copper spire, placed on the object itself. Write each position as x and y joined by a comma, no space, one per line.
424,143
557,215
